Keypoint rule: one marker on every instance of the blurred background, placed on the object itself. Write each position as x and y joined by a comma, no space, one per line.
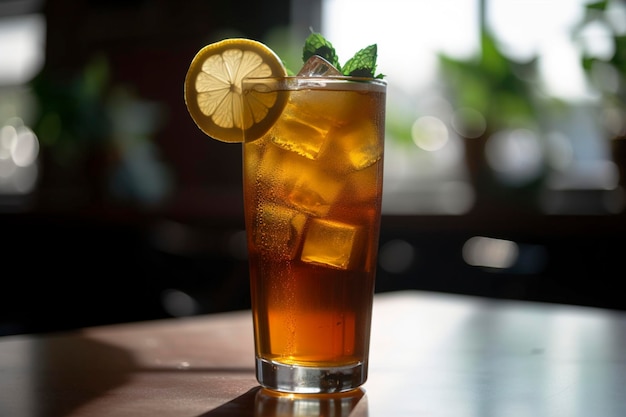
504,172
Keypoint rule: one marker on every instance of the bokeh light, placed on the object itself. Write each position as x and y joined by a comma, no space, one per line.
22,42
516,156
468,122
397,256
178,303
490,252
19,149
429,133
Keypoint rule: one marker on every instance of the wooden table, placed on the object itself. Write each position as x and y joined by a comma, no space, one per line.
432,355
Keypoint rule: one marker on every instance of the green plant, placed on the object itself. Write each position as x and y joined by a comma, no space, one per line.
492,84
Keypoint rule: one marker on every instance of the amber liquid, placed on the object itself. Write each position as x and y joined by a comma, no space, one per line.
312,190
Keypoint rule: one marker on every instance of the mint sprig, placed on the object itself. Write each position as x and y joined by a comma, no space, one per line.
316,44
362,64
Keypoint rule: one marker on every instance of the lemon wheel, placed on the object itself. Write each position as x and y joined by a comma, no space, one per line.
213,94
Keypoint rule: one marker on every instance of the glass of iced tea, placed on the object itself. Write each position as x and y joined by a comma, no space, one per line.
312,194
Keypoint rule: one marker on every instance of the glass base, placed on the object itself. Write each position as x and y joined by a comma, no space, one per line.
309,380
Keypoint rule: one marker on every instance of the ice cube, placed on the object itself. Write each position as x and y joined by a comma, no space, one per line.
301,132
311,112
316,66
359,142
314,191
363,185
332,243
300,182
279,230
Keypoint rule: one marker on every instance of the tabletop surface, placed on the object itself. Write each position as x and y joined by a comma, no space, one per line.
431,355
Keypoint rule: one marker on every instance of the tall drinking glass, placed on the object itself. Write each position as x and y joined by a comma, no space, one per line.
312,194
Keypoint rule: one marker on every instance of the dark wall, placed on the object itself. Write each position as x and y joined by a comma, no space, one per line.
86,248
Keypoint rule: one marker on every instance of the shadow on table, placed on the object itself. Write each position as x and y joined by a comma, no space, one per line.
66,366
259,402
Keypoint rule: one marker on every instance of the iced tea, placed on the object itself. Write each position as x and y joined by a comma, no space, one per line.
312,190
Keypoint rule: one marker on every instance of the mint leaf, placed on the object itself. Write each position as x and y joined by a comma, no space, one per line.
362,64
316,44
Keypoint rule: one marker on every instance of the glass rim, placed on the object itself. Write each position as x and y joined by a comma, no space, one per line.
300,82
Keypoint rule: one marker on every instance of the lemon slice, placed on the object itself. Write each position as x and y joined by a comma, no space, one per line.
213,89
